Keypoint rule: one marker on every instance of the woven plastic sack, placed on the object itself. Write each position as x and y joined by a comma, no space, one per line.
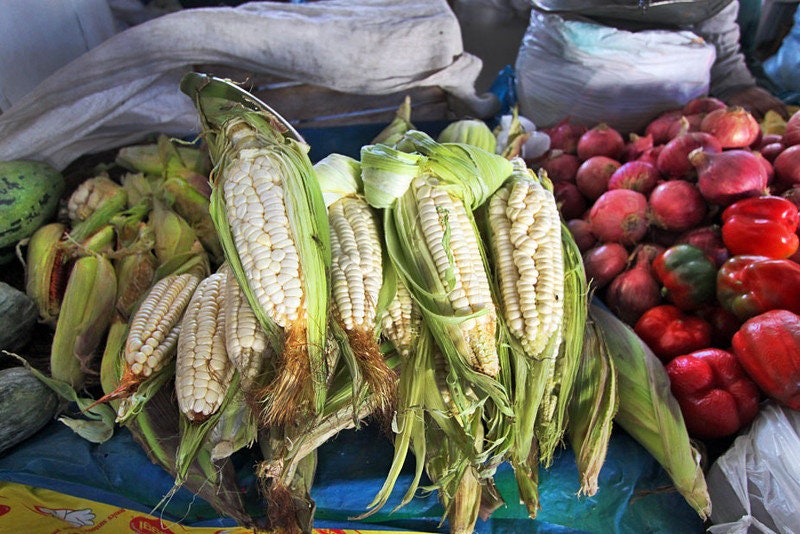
128,86
755,485
594,73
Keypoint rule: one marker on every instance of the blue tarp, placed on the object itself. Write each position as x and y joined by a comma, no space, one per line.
635,494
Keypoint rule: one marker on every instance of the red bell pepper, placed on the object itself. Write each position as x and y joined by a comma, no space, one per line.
716,396
768,347
670,332
688,276
763,226
750,285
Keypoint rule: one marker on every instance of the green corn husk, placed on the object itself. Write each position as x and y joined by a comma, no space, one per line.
177,248
649,412
473,132
401,123
193,206
552,418
592,408
86,313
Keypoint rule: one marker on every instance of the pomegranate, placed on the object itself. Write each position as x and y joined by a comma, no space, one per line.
620,216
601,140
561,166
593,175
569,199
564,136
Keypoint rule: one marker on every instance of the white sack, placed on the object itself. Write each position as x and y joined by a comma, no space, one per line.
755,485
128,86
593,73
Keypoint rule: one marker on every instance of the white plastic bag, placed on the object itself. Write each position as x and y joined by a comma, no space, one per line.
128,86
593,73
755,485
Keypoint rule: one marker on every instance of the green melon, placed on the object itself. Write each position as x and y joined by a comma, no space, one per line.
29,196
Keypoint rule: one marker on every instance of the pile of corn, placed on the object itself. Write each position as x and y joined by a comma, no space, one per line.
429,285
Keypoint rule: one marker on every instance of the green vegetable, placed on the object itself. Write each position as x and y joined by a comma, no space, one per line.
27,404
29,195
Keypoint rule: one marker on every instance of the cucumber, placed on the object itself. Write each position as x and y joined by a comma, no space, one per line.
26,405
29,195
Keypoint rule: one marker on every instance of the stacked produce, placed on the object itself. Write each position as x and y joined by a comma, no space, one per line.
441,288
689,233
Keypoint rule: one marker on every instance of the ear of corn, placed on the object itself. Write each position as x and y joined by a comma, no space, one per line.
525,239
151,342
269,213
46,271
177,247
246,342
473,132
649,412
356,275
93,204
85,315
400,318
551,420
592,407
202,367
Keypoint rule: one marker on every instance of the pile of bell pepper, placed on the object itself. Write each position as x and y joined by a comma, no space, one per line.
729,335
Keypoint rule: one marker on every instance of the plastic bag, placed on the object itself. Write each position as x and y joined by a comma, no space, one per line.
593,73
128,86
755,485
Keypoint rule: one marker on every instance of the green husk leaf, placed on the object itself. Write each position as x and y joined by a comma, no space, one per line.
592,408
401,123
469,131
649,412
339,176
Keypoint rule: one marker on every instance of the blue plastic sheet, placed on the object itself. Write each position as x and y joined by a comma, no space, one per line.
634,496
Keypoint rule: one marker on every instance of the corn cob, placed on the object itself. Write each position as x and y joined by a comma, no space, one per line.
153,334
93,204
271,218
401,321
203,370
86,314
448,233
245,341
356,279
525,237
47,271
